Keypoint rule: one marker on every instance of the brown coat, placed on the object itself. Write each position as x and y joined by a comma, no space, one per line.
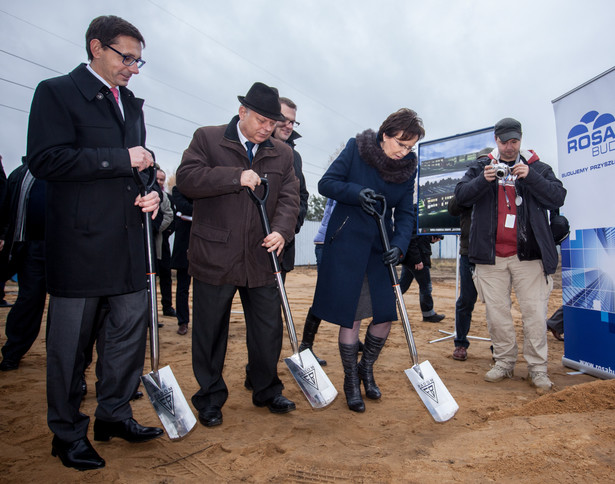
226,237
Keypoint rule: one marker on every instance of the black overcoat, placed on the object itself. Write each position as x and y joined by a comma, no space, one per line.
77,142
179,257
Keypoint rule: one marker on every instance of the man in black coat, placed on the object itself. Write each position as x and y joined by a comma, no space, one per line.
416,265
3,183
163,248
464,305
22,229
179,258
85,137
284,132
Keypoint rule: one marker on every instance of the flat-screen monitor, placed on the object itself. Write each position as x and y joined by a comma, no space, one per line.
442,163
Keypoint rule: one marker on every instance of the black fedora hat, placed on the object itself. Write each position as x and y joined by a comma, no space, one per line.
264,100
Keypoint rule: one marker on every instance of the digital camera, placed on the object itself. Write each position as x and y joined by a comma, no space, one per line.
502,170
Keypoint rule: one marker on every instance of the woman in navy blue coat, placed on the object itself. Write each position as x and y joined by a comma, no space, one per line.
353,282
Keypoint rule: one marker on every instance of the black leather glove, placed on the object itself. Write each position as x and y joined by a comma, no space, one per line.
392,256
366,197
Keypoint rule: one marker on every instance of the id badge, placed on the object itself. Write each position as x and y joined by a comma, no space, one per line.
509,223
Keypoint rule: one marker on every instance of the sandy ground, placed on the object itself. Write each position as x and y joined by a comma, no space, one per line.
503,432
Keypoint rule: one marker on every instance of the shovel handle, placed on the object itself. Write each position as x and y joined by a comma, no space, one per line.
384,237
275,263
145,187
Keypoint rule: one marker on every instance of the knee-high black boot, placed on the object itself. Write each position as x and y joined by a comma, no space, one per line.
352,384
309,332
371,350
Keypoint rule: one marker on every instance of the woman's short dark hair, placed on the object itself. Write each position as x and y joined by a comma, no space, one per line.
404,121
107,28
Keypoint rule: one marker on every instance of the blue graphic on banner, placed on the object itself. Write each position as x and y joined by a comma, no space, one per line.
589,341
593,131
588,267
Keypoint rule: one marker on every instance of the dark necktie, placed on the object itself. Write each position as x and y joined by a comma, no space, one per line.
250,147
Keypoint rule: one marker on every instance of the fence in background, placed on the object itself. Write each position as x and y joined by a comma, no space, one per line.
304,246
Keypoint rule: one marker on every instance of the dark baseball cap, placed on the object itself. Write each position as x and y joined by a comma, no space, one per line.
508,128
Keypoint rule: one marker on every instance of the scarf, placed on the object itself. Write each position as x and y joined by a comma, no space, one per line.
392,171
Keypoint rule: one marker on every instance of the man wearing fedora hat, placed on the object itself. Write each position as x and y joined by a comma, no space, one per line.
512,246
227,251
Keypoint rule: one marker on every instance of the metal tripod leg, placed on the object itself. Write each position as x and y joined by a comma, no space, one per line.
454,334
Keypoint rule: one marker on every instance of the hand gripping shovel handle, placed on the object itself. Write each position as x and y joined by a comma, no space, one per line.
275,263
144,189
379,217
161,386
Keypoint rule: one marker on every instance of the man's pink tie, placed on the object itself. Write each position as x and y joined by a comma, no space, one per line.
116,94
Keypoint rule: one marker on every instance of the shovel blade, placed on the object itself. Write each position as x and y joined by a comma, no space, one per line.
169,402
432,391
311,378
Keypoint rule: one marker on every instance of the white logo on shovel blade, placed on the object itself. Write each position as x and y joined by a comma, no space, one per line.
166,400
309,376
429,389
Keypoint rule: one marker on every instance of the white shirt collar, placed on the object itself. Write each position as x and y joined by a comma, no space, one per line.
243,140
119,97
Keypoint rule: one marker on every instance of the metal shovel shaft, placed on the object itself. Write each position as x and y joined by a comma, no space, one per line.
407,330
153,305
435,396
275,263
160,384
151,279
288,318
395,282
303,366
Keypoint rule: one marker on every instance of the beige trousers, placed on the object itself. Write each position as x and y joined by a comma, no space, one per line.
532,287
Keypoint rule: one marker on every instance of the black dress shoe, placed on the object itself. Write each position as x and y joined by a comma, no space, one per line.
78,454
434,318
138,394
8,365
169,312
210,416
128,429
278,404
248,384
556,334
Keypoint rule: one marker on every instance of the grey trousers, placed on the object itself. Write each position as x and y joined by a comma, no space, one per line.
121,352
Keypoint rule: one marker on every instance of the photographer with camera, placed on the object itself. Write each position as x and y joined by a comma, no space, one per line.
512,246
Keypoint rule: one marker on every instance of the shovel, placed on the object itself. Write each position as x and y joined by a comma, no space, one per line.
423,377
303,366
160,384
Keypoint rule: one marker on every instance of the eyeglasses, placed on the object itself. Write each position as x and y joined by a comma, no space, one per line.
404,147
127,60
292,122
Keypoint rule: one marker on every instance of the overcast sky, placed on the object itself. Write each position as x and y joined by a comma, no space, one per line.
462,65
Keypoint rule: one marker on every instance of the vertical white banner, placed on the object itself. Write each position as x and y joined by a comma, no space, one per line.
585,123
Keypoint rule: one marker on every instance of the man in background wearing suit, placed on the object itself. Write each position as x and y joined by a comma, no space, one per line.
84,139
